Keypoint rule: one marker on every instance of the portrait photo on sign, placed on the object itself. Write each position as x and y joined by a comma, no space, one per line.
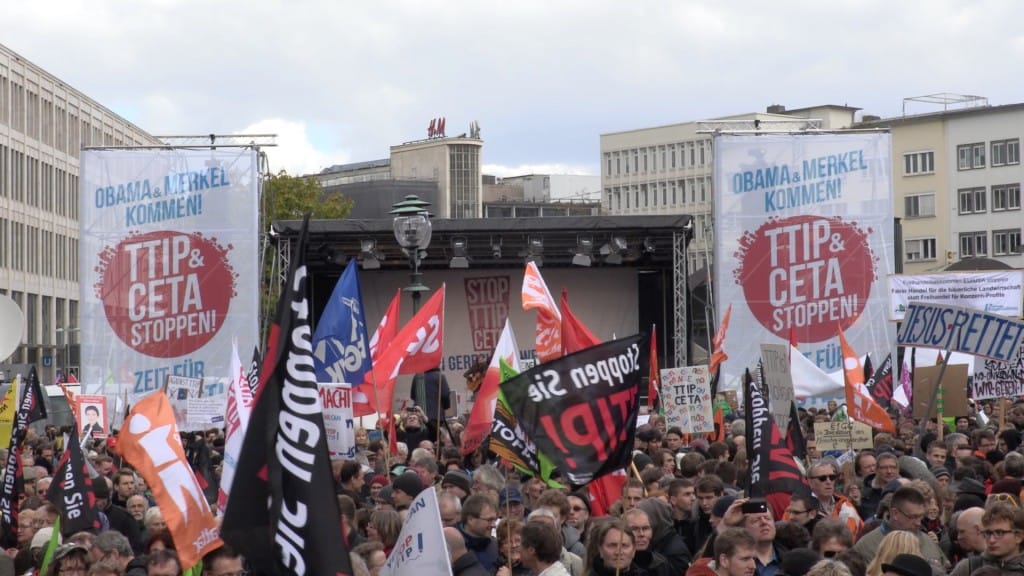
92,416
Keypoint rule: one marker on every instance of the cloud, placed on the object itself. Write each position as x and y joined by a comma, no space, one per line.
295,152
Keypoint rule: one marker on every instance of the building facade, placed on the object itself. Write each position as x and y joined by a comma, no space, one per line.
43,126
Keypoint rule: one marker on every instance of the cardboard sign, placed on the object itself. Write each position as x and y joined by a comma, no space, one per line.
842,435
92,415
686,393
954,390
339,423
779,378
961,330
994,379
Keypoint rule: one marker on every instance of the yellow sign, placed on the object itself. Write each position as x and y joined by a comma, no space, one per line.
8,409
842,435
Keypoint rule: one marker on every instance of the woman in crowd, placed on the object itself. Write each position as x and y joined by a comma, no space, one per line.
384,527
611,550
895,543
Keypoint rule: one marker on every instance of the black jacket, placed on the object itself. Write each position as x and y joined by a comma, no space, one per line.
468,565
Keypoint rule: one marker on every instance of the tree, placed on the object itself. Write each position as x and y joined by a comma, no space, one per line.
288,197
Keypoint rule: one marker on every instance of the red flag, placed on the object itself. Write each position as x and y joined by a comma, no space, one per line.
481,417
605,491
364,399
718,355
654,379
535,294
859,405
416,348
575,335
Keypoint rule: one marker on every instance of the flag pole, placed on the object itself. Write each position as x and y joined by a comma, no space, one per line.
938,382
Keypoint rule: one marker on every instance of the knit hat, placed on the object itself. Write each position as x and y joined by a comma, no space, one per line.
721,505
379,480
409,483
968,486
459,479
642,460
386,495
940,471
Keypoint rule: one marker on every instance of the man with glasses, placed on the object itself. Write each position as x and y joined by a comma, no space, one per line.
1003,531
640,525
905,513
479,517
224,561
804,510
887,469
822,478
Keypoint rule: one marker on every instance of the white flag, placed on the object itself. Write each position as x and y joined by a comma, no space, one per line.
239,407
421,548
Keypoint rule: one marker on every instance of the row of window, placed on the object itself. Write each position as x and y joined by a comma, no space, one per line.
34,250
672,193
972,244
972,156
652,159
37,183
1005,197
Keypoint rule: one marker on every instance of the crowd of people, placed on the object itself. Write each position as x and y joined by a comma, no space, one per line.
913,503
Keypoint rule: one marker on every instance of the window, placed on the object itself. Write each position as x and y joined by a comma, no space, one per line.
664,158
608,161
672,150
919,205
970,156
1006,197
1005,152
972,200
919,249
973,244
1006,242
915,163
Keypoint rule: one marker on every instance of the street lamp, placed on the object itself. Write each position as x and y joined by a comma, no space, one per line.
67,348
412,231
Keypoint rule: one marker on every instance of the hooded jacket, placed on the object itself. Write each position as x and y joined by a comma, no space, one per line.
1012,566
665,540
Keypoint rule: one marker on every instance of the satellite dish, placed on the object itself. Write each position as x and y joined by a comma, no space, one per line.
10,315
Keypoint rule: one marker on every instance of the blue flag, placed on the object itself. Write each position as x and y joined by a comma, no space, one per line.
340,346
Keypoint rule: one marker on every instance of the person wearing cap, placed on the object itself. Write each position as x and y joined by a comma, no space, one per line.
385,498
906,565
458,483
942,475
405,489
906,511
822,478
1003,531
510,503
376,484
69,559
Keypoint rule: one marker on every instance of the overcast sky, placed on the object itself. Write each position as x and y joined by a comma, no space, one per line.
340,81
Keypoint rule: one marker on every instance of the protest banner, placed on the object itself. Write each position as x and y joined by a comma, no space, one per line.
993,291
961,330
686,395
954,390
994,379
338,420
803,244
779,379
178,390
842,435
92,415
581,409
420,548
204,412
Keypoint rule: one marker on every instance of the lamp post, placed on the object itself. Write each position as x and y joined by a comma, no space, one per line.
412,231
66,332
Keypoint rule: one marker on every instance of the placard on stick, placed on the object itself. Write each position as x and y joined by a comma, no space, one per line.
686,393
777,375
954,390
842,435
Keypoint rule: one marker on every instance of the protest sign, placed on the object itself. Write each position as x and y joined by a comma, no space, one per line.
954,390
420,548
842,435
994,379
204,412
777,375
92,415
961,330
686,395
338,420
995,291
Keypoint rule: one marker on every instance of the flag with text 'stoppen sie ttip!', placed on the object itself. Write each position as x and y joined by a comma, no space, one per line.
283,511
581,409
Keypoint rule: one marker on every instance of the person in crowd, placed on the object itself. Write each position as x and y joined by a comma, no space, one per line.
117,517
424,464
157,541
968,531
639,524
1003,531
137,506
163,563
804,509
509,536
463,562
405,489
557,502
887,469
153,520
664,540
451,509
479,517
488,480
895,543
384,527
733,555
611,551
124,487
458,483
572,562
579,514
822,478
373,555
830,538
906,511
510,503
115,546
69,560
540,548
351,480
223,560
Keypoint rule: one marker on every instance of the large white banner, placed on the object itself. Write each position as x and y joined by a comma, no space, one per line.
168,266
996,291
803,243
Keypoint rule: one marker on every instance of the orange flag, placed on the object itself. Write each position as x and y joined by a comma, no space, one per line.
718,355
150,442
549,319
859,405
654,376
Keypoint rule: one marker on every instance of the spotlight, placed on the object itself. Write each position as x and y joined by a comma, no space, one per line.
612,251
459,258
584,251
648,245
535,250
369,255
496,248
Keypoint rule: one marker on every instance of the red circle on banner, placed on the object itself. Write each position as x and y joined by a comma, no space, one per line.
166,293
809,273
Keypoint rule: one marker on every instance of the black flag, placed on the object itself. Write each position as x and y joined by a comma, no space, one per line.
71,492
795,440
581,409
880,383
31,409
283,513
253,376
773,474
